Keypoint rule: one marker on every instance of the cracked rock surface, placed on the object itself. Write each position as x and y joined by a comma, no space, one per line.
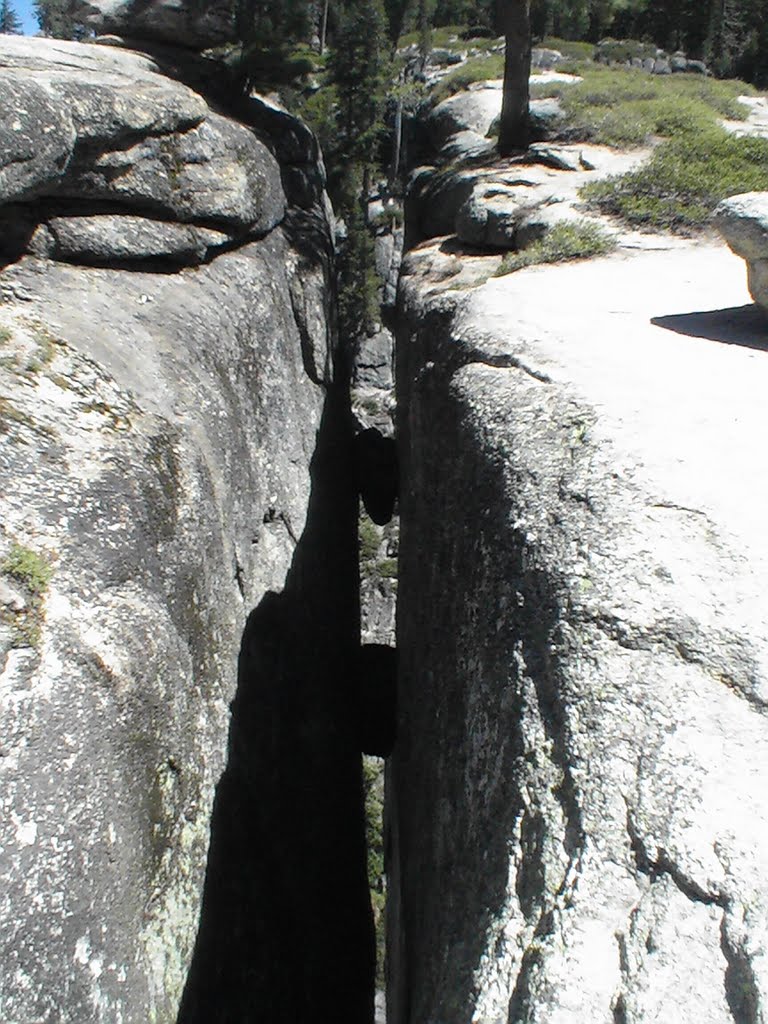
89,131
578,821
157,425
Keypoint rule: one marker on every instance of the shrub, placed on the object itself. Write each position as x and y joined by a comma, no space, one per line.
570,48
568,240
684,180
34,573
628,107
28,568
368,539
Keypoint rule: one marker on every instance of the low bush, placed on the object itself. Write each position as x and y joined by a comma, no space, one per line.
570,48
627,107
684,180
568,240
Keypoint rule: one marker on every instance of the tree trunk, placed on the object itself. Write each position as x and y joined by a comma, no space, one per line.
514,126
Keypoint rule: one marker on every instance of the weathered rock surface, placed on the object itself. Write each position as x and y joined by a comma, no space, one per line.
578,816
179,22
474,110
174,452
99,125
743,222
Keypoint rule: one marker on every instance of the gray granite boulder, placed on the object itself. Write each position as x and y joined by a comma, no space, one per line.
474,110
179,22
103,237
742,220
178,573
102,127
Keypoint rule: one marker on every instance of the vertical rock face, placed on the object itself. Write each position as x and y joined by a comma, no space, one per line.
173,454
578,820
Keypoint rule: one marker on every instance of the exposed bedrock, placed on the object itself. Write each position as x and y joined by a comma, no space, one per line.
175,452
578,818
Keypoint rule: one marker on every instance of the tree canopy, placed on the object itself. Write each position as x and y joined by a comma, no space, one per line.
10,23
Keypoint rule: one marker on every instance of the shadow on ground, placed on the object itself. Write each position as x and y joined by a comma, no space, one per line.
737,325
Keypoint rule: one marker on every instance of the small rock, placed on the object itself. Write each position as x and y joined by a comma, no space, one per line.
11,598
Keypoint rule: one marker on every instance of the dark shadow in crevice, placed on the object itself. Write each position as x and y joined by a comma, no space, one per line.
738,325
286,932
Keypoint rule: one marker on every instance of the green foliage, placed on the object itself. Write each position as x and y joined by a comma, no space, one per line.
684,180
570,48
386,568
373,787
28,568
627,107
33,572
10,23
369,539
476,69
568,240
62,19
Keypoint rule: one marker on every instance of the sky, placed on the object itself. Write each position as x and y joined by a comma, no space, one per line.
26,14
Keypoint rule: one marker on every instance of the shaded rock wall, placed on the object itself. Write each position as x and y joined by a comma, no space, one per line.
174,447
577,816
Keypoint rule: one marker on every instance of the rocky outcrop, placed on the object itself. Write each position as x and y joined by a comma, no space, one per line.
178,22
175,453
577,816
121,138
743,222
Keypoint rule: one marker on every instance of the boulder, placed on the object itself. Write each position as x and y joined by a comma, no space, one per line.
467,145
103,130
216,172
474,110
742,220
546,119
489,217
373,361
179,22
106,238
542,57
433,199
37,138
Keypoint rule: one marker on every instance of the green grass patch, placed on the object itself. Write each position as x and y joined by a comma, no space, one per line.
679,187
33,572
570,48
568,240
476,69
368,539
28,568
448,37
627,107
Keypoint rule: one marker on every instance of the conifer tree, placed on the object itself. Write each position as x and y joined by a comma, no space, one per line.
359,70
10,24
61,19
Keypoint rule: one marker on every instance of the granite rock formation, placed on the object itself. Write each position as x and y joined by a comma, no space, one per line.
577,814
175,452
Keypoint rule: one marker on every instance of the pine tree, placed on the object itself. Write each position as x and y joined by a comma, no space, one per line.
10,24
359,69
61,19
